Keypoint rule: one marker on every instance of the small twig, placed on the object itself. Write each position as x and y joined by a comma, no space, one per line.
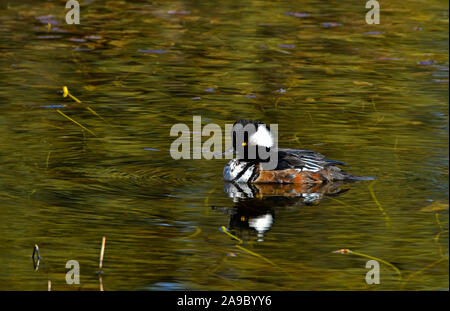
67,93
102,252
48,159
101,283
197,232
36,261
240,242
36,251
372,193
412,275
436,216
342,202
225,230
69,118
438,235
206,202
257,255
348,251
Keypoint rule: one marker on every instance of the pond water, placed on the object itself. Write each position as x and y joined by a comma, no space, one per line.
372,96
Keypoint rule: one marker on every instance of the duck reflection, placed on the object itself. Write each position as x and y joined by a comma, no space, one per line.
255,204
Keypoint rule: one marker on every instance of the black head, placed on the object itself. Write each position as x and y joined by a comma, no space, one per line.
248,134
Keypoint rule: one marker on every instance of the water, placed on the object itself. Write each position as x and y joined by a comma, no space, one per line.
372,96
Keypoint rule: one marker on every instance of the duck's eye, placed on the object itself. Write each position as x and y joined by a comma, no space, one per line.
244,144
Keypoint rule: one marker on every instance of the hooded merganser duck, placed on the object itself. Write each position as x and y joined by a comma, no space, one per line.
293,165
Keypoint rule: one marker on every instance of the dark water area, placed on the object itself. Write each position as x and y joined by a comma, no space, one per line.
372,96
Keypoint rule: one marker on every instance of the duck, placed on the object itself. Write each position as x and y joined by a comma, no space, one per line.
293,166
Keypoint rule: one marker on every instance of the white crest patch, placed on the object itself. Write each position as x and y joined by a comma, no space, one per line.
262,137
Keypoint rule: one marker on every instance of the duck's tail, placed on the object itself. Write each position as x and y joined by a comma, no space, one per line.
334,173
358,178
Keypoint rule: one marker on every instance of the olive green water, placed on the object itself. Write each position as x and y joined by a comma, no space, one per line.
373,96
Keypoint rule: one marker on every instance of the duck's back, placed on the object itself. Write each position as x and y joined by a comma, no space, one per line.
306,160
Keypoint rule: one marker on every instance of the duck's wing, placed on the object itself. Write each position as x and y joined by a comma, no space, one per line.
303,159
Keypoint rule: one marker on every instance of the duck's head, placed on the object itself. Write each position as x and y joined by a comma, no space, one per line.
251,135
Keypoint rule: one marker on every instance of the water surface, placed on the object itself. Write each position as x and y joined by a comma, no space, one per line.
372,96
